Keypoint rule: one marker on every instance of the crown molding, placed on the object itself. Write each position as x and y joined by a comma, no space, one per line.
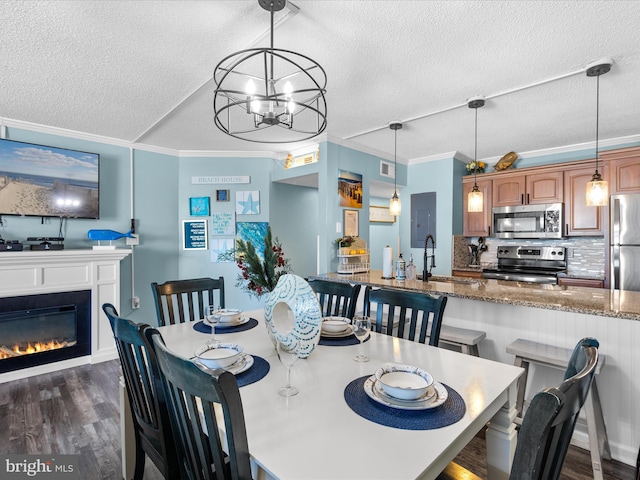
577,147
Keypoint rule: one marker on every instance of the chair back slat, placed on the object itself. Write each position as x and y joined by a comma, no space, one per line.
179,301
336,298
550,420
152,428
196,396
417,313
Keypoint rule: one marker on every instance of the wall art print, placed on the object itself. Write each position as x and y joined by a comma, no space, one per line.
248,202
253,232
219,249
223,223
350,189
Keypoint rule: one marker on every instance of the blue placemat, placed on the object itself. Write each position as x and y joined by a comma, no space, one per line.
258,371
340,341
449,412
220,329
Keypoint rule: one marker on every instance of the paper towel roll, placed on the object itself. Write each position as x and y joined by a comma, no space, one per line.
387,262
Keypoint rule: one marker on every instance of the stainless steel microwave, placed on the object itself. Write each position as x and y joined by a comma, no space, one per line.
528,221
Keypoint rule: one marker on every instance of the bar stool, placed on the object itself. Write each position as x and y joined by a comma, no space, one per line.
527,352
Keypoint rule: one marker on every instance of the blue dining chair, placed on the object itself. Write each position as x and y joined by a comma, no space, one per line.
547,427
152,426
406,314
194,393
179,301
336,298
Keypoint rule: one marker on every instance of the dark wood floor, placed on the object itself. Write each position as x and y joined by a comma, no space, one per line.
76,411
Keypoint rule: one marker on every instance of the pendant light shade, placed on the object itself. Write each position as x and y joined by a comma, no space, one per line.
475,198
597,188
394,205
270,95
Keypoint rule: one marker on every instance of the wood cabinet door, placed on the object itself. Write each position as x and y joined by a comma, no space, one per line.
544,188
477,224
580,219
625,175
508,191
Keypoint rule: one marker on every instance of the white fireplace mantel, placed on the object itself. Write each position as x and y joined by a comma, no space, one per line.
51,271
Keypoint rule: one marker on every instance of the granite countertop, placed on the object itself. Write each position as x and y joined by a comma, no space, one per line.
591,301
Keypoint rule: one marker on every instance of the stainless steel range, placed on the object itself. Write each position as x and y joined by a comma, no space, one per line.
528,263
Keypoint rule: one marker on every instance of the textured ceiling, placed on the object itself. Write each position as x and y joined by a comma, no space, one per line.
141,71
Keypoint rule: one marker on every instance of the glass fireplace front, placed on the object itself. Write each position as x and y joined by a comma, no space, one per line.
39,329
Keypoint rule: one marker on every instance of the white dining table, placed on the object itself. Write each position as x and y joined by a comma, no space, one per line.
316,435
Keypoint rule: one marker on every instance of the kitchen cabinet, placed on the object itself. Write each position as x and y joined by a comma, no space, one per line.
580,282
580,219
535,188
624,170
477,224
467,273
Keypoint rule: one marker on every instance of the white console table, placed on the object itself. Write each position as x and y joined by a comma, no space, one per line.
51,271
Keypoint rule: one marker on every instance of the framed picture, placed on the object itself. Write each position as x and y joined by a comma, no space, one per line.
350,189
351,223
199,206
194,235
222,195
380,215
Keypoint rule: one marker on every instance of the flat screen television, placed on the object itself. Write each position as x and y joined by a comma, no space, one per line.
42,181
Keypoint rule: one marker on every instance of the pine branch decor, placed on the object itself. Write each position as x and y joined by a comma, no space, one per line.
258,277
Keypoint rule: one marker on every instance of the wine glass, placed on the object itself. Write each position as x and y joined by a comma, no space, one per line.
288,355
213,318
361,328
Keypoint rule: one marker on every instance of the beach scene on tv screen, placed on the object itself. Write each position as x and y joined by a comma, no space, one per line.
47,181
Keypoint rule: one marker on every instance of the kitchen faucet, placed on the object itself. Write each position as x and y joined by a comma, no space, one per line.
427,273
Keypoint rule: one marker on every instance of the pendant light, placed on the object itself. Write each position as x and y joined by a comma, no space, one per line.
597,188
475,199
394,205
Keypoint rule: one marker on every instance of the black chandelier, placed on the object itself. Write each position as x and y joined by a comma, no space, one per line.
260,88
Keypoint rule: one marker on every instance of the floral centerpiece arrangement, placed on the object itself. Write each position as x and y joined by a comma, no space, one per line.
475,167
258,276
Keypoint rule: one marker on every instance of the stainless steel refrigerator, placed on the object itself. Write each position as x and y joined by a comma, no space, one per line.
625,242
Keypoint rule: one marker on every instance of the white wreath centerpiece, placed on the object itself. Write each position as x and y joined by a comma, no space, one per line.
292,313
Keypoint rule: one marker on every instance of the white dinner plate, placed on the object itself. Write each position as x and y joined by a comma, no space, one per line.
436,396
346,333
241,321
242,365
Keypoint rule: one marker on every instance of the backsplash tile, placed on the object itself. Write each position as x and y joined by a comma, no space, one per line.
585,255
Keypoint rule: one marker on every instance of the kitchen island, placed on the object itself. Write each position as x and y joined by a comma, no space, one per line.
552,314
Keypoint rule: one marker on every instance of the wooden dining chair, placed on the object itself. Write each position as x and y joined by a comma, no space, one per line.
152,427
179,301
336,298
201,401
418,315
547,427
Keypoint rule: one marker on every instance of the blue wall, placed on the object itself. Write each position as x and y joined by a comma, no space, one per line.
301,217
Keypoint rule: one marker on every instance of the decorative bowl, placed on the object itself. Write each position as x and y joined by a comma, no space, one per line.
229,315
404,381
335,324
219,355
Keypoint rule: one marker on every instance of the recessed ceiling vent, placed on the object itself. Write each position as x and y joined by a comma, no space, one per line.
387,170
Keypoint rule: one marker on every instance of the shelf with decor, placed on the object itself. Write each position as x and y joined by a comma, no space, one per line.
354,258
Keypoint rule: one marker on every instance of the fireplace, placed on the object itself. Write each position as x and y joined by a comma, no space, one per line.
40,329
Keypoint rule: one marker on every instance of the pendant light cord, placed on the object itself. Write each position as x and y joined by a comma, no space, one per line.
395,160
475,153
597,117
